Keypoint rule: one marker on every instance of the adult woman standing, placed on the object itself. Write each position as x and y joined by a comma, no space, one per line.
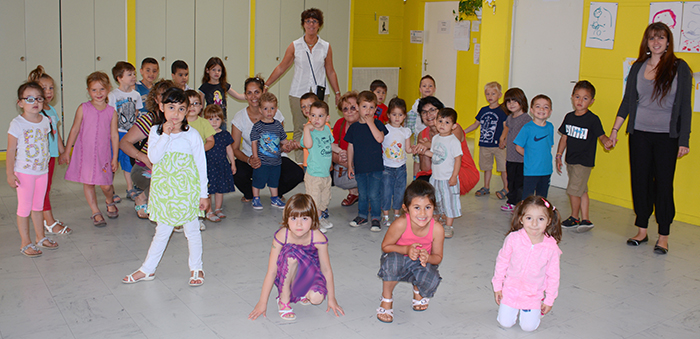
241,125
313,61
657,101
348,105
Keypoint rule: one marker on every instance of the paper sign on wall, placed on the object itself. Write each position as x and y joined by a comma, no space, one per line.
477,53
461,36
696,105
670,13
416,37
443,27
601,25
383,25
690,28
626,65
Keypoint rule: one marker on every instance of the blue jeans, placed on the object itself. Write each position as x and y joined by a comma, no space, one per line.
393,186
369,186
536,185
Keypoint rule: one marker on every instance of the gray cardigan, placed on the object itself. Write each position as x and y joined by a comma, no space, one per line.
682,110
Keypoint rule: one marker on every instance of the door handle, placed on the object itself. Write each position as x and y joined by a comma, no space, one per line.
425,65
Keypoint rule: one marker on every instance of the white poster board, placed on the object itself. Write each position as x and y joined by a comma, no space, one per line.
690,28
601,25
383,25
626,66
461,35
670,13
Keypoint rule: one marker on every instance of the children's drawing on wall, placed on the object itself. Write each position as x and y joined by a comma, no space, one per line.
690,28
626,66
669,13
601,25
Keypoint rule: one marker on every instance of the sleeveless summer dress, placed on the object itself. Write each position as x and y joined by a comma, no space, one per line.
309,276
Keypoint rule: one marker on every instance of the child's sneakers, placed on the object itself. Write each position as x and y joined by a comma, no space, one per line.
277,202
508,207
257,204
358,221
202,227
385,220
570,223
584,226
449,231
376,226
324,214
324,225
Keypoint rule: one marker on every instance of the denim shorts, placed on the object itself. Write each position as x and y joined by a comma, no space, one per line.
266,174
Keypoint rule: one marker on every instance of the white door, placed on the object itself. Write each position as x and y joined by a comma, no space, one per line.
545,56
439,55
150,35
236,49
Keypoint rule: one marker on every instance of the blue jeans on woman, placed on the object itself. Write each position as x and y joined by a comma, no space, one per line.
369,186
393,186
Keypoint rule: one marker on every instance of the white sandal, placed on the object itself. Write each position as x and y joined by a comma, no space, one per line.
130,278
40,244
422,302
49,229
381,310
196,276
282,312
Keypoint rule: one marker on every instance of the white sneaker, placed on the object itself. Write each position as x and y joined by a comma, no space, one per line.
202,227
449,231
325,224
385,220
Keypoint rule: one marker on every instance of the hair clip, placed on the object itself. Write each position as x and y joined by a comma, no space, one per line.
547,204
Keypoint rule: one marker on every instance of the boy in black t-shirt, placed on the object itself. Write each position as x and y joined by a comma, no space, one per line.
579,133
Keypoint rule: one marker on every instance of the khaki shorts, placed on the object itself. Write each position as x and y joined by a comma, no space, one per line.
319,189
578,179
486,156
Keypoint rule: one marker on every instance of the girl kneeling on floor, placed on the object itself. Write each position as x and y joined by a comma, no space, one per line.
298,266
412,250
526,278
178,193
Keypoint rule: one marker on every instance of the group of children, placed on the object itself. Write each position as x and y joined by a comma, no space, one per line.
192,159
521,146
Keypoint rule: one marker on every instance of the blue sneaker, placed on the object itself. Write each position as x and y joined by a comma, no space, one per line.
277,202
256,203
324,214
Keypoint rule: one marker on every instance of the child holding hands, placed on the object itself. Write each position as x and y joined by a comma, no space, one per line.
526,278
412,251
220,162
394,148
299,266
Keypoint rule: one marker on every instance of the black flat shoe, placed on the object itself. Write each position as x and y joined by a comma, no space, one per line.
660,250
635,242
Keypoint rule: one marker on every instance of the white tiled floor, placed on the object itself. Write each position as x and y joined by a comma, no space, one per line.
608,289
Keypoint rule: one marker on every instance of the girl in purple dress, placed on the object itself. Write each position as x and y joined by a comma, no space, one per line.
299,265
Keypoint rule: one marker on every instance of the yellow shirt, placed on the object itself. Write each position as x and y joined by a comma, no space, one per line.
203,127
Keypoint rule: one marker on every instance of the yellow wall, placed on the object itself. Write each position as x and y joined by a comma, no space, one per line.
610,180
371,49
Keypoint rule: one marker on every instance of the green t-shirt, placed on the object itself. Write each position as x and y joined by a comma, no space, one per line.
321,154
203,127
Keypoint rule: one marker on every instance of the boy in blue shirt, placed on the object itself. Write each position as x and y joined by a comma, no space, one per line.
366,136
535,142
580,132
491,118
149,73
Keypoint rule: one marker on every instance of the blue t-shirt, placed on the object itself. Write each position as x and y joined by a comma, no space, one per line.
368,152
537,142
320,154
269,137
53,137
491,121
143,91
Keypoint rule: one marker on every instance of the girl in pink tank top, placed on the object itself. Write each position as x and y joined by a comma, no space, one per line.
412,250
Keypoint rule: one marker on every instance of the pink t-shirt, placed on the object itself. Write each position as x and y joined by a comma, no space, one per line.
408,238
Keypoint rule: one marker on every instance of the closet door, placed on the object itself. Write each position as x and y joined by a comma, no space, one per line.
236,51
150,34
43,47
209,36
179,40
13,58
110,35
78,36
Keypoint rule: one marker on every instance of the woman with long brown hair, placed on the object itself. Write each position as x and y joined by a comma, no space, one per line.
658,102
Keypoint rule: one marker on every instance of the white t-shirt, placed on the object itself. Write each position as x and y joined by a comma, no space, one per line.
127,105
444,149
32,145
419,126
242,121
394,146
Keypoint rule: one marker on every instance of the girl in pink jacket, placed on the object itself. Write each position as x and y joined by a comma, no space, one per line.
526,278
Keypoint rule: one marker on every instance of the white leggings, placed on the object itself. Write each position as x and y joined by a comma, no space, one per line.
160,241
529,319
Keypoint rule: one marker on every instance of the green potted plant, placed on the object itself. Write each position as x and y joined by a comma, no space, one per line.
467,8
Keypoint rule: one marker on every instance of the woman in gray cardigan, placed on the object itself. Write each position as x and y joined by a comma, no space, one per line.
657,100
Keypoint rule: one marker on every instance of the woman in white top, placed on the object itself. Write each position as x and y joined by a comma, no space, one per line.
313,61
241,125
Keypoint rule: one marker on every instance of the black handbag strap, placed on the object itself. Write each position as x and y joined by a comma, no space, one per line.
312,68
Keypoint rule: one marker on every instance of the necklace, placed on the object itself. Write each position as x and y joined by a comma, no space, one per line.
312,44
